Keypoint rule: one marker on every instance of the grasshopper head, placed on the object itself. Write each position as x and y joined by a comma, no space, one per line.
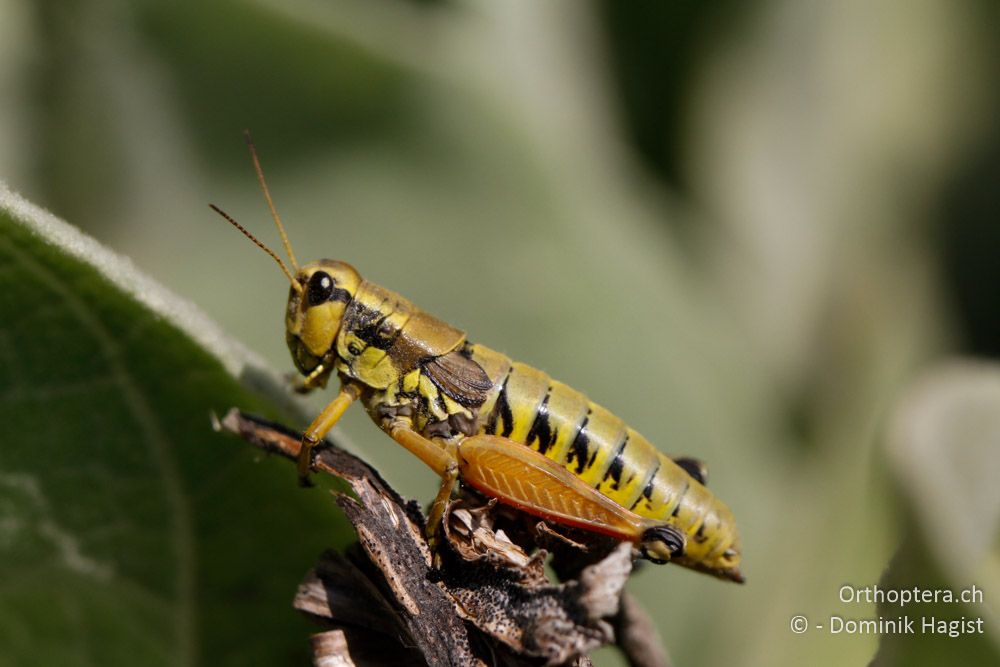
319,294
315,309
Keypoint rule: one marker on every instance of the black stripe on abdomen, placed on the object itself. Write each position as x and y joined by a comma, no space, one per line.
578,449
647,490
617,463
501,417
540,426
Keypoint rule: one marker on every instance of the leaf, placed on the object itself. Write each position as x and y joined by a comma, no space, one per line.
944,448
130,532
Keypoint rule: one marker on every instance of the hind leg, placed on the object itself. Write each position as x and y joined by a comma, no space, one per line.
520,476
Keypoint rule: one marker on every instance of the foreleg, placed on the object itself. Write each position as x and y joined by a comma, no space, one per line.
331,414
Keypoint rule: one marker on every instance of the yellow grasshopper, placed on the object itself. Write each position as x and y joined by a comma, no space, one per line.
502,427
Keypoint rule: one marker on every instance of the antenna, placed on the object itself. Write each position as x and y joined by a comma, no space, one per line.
270,203
295,284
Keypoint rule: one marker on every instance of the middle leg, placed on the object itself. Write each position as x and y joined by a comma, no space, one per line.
439,458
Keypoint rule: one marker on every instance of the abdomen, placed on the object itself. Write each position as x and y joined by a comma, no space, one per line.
530,408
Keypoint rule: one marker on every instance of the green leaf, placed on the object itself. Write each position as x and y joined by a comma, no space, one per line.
130,532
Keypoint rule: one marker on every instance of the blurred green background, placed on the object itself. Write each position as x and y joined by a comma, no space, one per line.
755,230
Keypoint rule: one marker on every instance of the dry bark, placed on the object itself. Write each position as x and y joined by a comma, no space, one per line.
479,596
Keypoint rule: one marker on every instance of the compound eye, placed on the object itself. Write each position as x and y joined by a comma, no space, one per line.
320,288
